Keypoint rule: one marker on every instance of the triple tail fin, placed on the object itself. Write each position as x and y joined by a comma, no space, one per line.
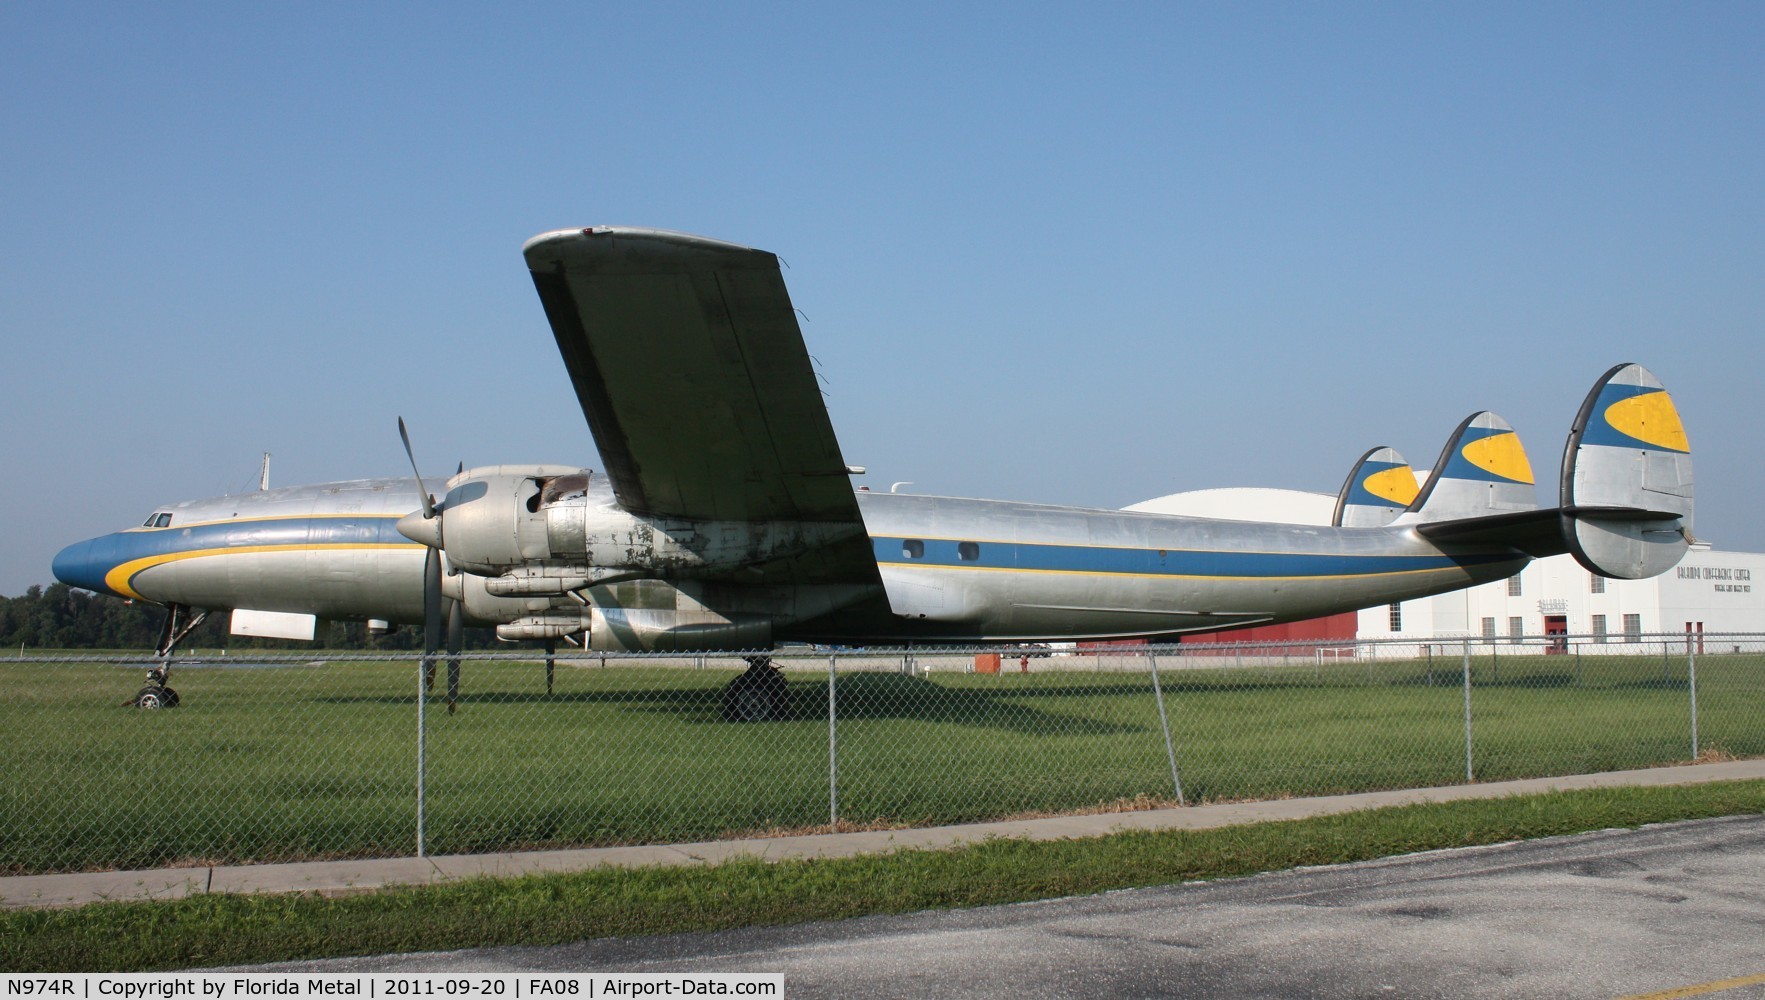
1482,471
1379,488
1625,490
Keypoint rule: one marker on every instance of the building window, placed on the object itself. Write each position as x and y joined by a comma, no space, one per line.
1599,628
1489,629
968,551
1516,629
913,548
1598,584
1514,585
1396,618
1632,628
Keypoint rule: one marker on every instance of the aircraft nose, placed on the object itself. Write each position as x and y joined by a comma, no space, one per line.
81,565
418,528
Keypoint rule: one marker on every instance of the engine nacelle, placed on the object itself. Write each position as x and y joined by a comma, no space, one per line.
641,616
542,530
492,519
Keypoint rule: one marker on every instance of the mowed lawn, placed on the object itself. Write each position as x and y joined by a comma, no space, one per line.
319,760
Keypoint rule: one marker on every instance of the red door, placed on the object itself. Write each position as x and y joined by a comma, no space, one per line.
1556,631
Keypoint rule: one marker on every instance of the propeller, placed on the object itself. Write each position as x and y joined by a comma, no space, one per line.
443,618
422,491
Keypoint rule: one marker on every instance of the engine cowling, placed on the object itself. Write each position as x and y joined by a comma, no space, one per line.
645,616
544,552
548,530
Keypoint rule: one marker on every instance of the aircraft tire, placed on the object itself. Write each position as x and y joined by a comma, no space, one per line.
152,696
756,695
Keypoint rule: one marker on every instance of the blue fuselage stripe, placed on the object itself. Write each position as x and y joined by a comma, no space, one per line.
1039,557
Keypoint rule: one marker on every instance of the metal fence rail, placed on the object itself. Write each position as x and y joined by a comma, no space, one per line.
280,757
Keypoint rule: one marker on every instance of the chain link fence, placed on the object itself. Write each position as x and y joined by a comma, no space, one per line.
278,758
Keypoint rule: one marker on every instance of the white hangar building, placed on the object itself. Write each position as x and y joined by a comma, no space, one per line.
1709,591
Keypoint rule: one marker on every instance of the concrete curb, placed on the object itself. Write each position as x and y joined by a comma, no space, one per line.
342,877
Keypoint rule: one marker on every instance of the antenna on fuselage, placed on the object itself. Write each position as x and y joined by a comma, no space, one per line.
263,475
897,486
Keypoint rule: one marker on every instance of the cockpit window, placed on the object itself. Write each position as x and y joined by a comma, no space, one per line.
157,519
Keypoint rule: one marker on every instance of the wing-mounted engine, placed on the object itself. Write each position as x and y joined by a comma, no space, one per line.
659,616
546,553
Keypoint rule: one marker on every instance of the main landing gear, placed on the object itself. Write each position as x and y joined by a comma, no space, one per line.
758,694
180,621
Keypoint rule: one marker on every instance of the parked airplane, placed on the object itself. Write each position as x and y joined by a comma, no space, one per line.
723,519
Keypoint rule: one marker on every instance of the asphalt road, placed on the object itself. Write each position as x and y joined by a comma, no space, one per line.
1605,914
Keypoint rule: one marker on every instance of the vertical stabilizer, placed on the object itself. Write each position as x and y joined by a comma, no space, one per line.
1482,471
1627,481
1379,487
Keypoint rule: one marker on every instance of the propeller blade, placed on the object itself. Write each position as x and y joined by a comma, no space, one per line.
422,491
432,612
456,638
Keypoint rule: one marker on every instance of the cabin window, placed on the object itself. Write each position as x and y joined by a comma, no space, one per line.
913,548
968,551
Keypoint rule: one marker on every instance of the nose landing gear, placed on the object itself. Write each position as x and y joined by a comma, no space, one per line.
156,694
180,621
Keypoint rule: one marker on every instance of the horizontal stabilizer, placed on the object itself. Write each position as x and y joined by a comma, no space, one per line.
1628,450
1379,487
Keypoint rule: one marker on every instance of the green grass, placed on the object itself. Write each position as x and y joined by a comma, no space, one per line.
535,910
301,762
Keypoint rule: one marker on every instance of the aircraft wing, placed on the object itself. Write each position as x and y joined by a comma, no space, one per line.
689,366
687,360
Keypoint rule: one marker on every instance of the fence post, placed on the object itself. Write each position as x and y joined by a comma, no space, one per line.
833,749
422,670
1691,667
1470,775
1165,724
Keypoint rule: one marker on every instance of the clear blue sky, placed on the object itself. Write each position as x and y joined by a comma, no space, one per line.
1085,254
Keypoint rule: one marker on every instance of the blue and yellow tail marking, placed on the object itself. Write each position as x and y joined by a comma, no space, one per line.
1636,416
1489,454
1384,484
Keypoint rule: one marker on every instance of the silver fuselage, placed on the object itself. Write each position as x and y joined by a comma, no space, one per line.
951,568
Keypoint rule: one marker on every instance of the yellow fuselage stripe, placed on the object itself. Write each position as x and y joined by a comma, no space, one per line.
120,575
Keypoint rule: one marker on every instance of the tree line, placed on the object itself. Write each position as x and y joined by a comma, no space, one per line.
62,617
